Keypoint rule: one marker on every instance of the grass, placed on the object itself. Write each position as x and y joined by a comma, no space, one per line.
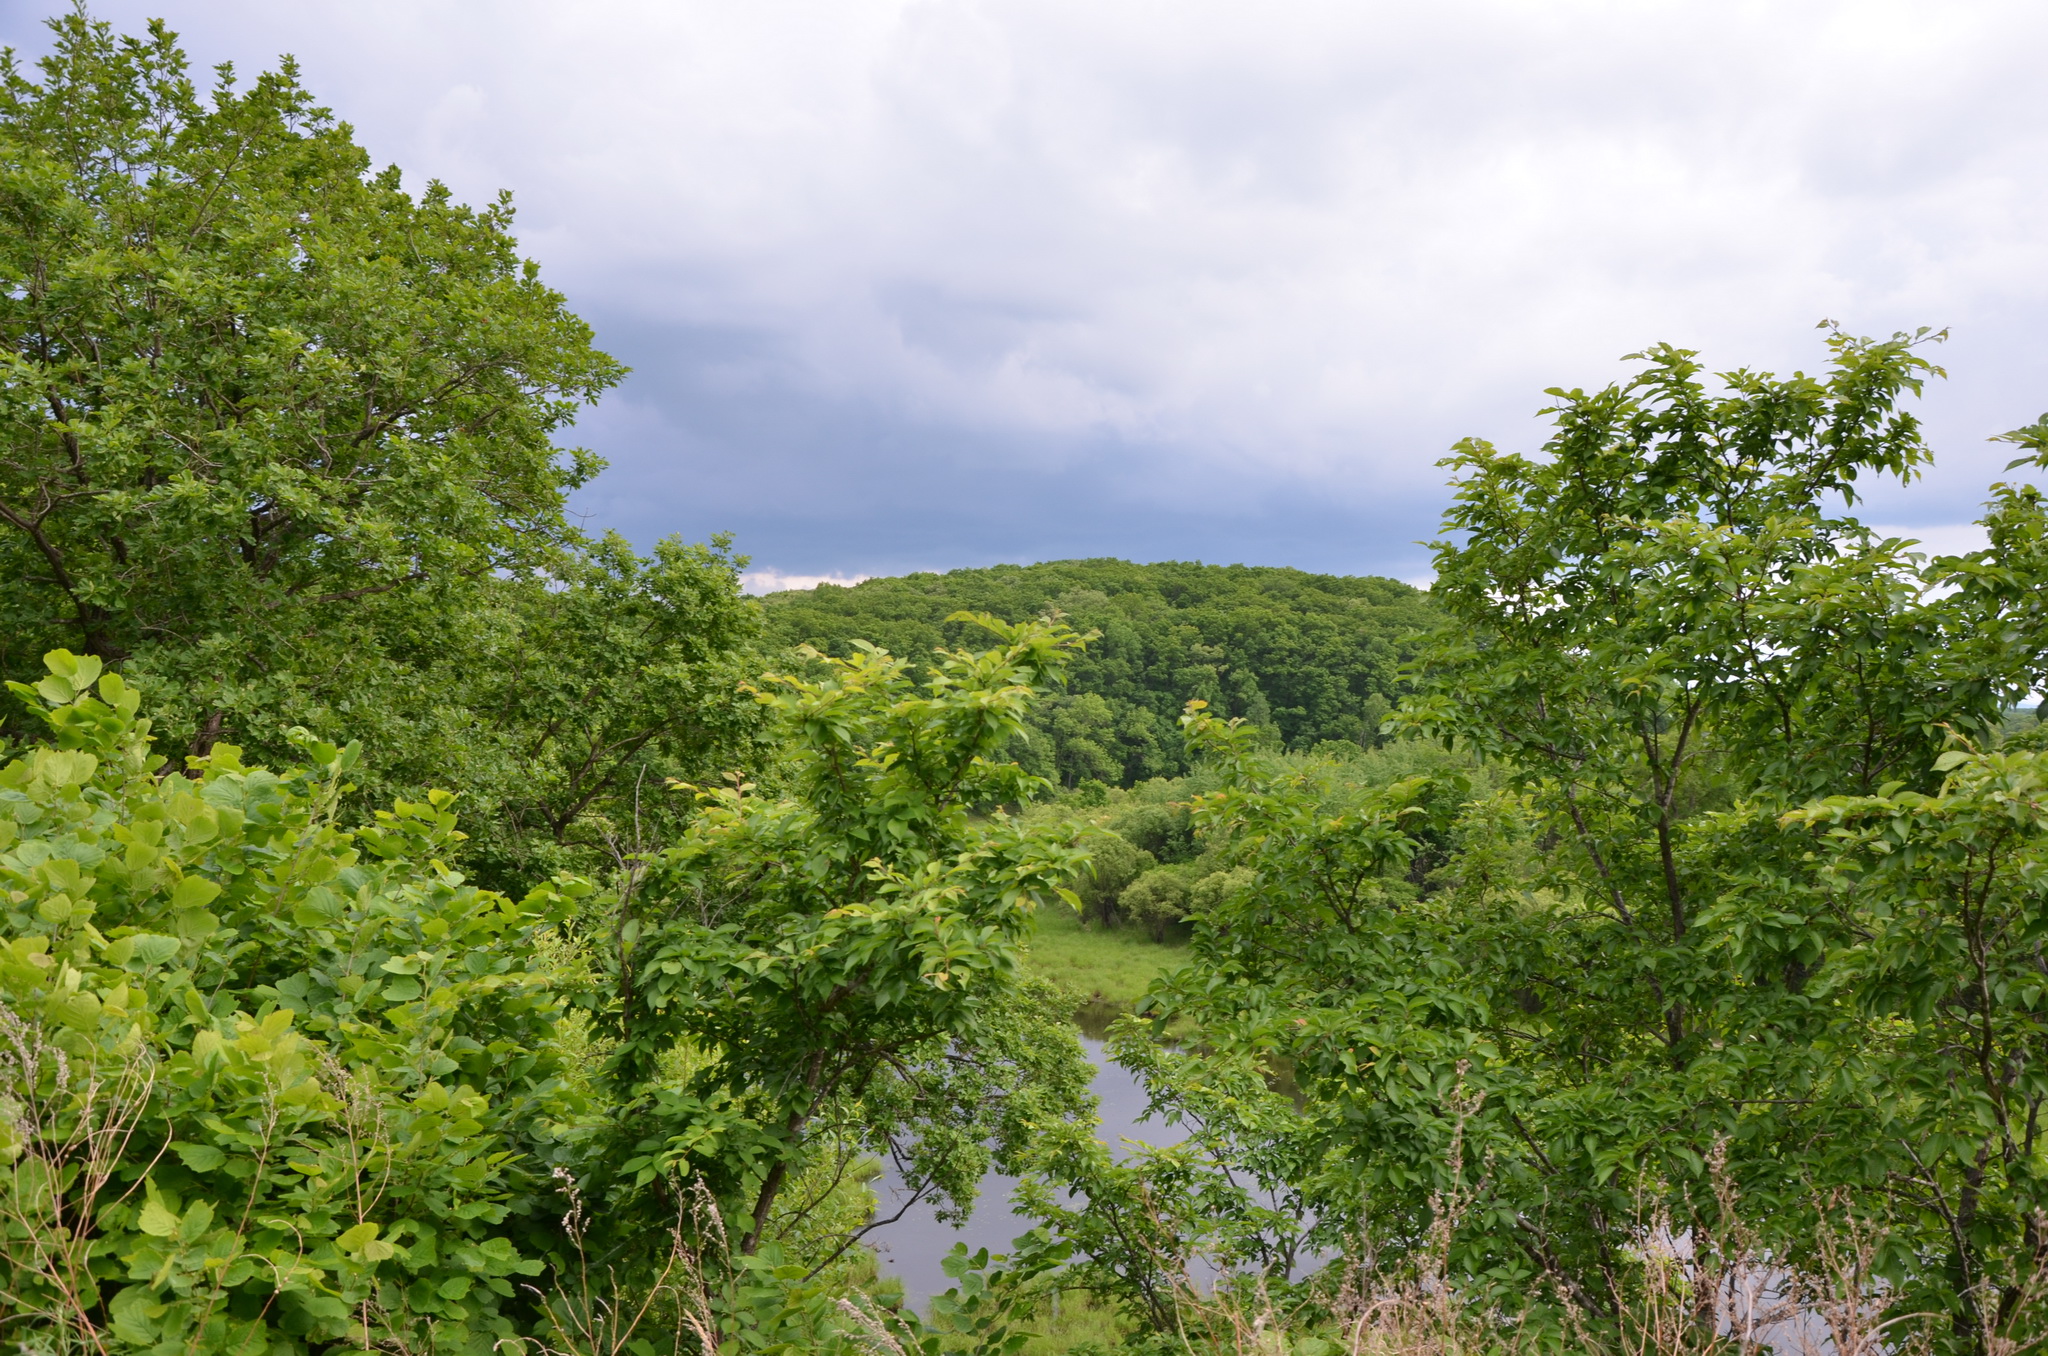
1075,1319
1112,965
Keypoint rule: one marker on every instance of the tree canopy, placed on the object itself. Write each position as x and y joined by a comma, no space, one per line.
1752,918
277,438
1310,657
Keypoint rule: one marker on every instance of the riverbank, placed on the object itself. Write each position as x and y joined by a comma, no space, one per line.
1108,965
1109,969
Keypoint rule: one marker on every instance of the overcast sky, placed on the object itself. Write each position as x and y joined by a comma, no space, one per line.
923,285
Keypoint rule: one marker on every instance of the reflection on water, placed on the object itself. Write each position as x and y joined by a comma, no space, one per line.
912,1247
1095,1016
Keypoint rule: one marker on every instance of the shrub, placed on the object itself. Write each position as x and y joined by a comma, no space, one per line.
264,1084
1158,899
1116,864
1212,891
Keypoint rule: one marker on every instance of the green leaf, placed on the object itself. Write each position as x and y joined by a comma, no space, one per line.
151,949
198,1219
200,1157
194,892
357,1238
196,924
156,1221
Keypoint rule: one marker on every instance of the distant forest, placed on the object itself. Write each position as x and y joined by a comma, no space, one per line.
1311,659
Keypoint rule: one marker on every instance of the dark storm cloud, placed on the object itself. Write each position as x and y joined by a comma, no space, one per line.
726,438
921,283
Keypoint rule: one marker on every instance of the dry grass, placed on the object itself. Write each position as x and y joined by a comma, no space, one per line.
1678,1295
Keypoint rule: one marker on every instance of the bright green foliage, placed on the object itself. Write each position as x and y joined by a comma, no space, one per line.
1218,890
1113,864
1562,1002
582,695
561,704
1310,657
1157,899
1670,568
846,958
269,1085
1160,826
1947,892
1661,619
1309,948
248,383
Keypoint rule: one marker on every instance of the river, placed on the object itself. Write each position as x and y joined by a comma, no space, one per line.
912,1247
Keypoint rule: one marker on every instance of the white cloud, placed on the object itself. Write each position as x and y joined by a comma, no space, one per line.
775,581
1939,539
1313,242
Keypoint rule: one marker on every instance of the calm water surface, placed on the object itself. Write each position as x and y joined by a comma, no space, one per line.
913,1246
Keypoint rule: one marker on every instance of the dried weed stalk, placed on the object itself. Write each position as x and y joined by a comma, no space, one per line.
73,1121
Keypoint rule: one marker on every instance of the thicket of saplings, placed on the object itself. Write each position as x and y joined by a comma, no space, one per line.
1689,996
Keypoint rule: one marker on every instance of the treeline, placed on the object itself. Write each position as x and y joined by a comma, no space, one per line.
1310,659
1152,867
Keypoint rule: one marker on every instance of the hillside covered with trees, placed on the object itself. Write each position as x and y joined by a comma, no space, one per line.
428,928
1311,659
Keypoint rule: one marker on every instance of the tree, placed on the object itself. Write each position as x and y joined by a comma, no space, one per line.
268,420
1158,899
1113,864
1670,640
843,960
1083,731
1946,959
582,694
1313,657
1645,956
278,443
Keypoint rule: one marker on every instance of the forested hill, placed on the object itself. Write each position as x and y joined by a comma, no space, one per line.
1313,657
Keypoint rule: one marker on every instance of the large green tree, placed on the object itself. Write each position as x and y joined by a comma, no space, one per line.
573,698
846,957
1736,904
278,438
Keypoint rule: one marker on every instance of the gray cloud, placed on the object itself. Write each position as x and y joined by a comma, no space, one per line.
852,485
925,284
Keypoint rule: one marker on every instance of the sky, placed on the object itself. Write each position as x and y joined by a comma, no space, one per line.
924,284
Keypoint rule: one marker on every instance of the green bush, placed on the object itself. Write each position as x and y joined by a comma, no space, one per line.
1214,890
264,1084
1165,831
1158,899
268,1084
1116,864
